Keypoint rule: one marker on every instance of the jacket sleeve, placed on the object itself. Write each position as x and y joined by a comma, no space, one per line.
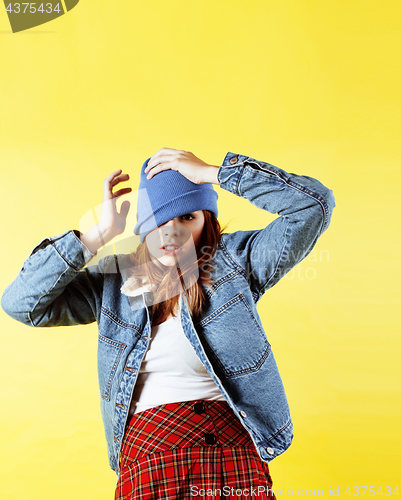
52,289
305,207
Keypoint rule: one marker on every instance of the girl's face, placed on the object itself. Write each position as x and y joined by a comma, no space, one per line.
177,238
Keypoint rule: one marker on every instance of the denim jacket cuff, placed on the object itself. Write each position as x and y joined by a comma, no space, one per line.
70,248
229,177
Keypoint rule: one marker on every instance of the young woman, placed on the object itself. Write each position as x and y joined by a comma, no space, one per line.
191,397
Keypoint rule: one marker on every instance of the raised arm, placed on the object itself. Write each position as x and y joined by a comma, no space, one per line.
52,288
305,207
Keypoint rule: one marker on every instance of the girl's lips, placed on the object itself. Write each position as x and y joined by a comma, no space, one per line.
170,252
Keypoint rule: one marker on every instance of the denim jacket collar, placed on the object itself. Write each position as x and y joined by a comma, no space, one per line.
131,288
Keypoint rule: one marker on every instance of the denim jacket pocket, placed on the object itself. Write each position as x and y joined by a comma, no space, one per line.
109,354
236,347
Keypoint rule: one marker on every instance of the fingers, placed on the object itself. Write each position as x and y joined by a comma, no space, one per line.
119,178
165,165
157,160
164,154
112,175
120,192
162,159
112,180
125,206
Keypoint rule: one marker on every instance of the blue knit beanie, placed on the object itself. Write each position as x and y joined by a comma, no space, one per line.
167,195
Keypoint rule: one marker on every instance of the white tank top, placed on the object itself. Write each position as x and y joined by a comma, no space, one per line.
171,371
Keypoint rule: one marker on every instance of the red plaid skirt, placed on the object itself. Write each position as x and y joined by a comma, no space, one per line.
199,448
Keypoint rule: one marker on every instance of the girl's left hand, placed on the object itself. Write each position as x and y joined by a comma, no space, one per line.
191,167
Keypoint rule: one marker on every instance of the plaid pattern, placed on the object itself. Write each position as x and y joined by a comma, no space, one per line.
178,452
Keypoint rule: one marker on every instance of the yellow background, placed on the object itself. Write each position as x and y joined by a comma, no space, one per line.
311,86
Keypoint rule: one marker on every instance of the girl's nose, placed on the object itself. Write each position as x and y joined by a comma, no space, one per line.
171,227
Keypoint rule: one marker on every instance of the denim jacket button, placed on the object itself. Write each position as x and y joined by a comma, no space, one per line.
243,414
270,451
233,160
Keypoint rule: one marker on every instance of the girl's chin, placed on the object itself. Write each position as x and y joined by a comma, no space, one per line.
167,260
171,260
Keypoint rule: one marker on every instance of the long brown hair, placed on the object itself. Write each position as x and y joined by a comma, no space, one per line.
166,287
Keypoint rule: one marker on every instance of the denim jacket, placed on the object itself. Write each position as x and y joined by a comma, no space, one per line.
54,288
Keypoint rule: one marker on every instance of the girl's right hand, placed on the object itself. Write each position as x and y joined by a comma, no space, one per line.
111,223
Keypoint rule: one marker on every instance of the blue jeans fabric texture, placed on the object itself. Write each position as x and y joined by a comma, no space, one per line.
56,286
